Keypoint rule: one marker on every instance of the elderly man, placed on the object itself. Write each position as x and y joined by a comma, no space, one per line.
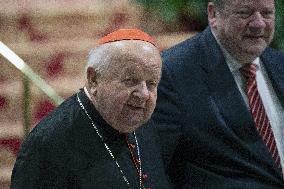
93,139
220,102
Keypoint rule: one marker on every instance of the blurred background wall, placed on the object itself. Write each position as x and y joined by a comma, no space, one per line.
54,37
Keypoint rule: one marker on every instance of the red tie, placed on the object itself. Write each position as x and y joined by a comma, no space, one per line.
258,112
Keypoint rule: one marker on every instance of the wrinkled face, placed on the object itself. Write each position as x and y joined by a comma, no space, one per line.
125,94
245,27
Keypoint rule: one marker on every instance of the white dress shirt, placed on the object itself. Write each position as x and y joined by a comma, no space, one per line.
271,103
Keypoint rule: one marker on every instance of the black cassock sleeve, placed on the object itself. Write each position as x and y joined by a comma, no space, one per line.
37,166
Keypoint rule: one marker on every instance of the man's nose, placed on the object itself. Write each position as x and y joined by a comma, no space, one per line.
142,91
257,21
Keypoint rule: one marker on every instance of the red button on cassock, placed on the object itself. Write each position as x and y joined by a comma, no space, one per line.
145,176
132,146
137,162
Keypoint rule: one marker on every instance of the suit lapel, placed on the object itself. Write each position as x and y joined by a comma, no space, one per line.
275,71
223,89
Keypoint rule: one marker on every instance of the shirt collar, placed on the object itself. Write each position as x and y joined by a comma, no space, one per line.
257,62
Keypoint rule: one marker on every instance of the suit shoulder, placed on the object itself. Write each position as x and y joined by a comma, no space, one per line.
182,49
185,55
273,53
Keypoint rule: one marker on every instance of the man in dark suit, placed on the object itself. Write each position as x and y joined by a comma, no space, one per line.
94,139
218,128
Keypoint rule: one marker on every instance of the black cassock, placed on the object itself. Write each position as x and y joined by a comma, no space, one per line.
64,151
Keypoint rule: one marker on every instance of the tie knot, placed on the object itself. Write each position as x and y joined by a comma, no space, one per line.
248,71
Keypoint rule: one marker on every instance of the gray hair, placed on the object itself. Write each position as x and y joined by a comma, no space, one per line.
99,58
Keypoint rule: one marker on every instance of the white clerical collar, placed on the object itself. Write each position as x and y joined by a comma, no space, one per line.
87,93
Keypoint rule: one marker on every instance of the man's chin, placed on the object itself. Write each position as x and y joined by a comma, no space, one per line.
254,51
129,126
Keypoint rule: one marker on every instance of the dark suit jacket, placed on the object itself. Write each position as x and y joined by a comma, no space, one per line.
207,134
64,151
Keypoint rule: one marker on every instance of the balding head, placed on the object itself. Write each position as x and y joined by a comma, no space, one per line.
103,55
122,80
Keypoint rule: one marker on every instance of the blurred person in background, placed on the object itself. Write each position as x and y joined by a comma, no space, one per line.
99,138
220,102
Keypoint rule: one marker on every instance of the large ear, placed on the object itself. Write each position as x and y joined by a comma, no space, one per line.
91,77
211,11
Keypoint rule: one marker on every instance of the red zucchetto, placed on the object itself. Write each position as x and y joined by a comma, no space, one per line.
127,34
